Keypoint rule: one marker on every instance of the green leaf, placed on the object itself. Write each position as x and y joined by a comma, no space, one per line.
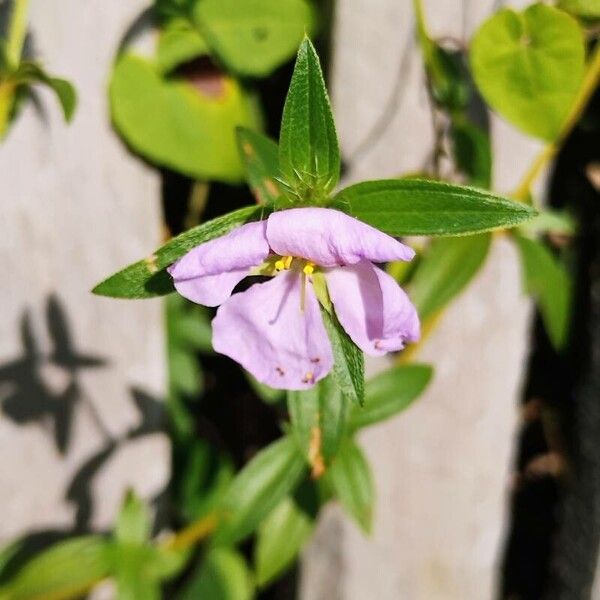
148,278
551,221
188,324
425,207
137,565
352,483
260,156
221,575
139,569
133,523
188,124
7,553
582,8
448,76
270,476
132,582
255,36
445,270
529,67
202,479
185,375
179,42
309,156
30,72
389,393
280,538
318,418
549,281
349,362
70,566
472,153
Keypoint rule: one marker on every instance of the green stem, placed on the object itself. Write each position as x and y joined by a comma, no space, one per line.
17,31
424,39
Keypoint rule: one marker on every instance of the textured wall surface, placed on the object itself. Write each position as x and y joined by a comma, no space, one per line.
81,377
441,469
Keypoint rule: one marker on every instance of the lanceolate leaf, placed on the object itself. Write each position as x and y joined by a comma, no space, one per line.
389,393
529,66
270,476
349,362
424,207
73,566
253,37
548,280
352,483
133,522
29,72
318,417
260,156
148,278
472,152
280,538
309,156
222,574
446,268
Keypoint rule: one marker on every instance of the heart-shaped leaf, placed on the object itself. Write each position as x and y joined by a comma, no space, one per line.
254,37
529,67
185,124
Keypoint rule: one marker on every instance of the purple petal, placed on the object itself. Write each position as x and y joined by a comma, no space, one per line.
210,290
373,309
265,330
208,273
331,238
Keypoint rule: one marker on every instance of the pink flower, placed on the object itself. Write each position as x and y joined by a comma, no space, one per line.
275,329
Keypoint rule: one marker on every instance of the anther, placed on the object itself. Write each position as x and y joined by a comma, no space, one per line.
284,263
309,378
315,360
280,371
308,269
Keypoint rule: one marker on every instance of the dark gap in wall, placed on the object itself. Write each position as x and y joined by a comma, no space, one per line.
552,541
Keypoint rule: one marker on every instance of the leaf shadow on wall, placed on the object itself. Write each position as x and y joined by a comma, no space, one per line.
43,387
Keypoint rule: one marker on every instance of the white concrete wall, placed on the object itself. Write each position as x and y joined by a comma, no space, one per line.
75,206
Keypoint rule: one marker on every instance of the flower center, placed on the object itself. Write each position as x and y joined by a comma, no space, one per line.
285,263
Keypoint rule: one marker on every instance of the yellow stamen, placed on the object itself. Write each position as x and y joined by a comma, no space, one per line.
309,268
284,263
